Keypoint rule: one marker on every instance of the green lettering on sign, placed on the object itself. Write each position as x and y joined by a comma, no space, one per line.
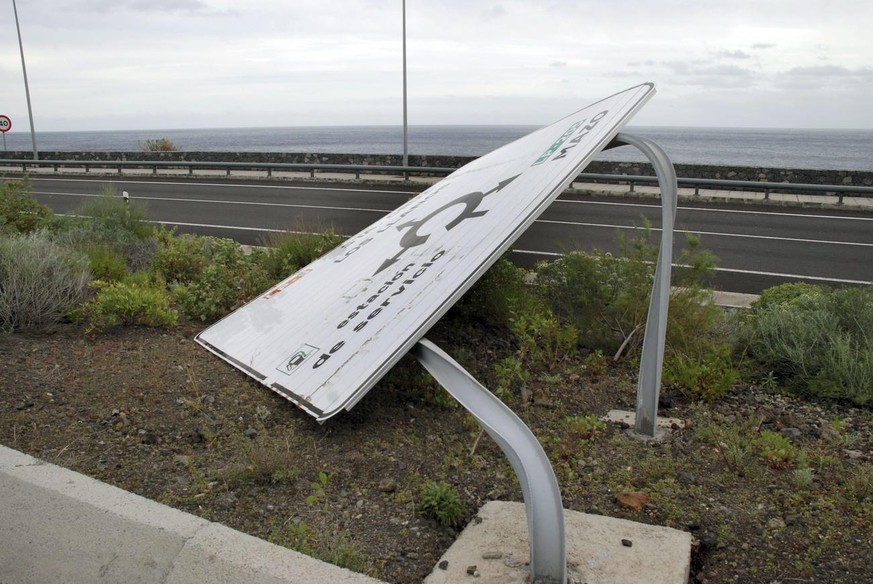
554,147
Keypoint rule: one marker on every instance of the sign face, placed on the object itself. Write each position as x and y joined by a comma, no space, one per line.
324,336
5,123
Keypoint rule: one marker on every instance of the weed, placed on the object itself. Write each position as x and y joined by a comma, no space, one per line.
701,377
584,427
778,451
511,378
596,363
180,259
802,477
319,490
441,501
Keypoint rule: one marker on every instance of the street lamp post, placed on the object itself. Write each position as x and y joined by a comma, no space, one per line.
26,88
405,129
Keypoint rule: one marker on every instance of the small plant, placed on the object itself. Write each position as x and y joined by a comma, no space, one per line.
180,259
511,378
802,477
158,145
40,281
319,490
596,363
136,300
778,451
584,427
441,502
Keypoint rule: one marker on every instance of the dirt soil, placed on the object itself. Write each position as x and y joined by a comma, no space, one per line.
151,412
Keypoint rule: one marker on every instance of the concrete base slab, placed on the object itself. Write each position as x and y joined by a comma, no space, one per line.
663,425
494,549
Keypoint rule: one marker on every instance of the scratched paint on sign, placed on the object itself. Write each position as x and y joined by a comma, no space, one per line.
326,334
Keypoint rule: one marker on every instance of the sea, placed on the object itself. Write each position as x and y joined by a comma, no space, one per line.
777,148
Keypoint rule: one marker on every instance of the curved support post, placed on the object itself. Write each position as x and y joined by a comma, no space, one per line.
652,360
542,498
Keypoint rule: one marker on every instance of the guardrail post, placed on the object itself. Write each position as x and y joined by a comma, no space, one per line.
269,172
840,198
119,169
311,173
631,183
766,194
155,170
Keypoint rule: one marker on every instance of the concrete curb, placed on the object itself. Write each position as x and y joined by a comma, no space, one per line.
59,526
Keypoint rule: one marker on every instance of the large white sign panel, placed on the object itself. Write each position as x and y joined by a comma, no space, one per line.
324,336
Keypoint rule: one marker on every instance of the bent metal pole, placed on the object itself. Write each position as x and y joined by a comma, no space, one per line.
652,360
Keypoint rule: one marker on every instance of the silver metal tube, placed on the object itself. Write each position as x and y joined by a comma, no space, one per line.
26,87
405,126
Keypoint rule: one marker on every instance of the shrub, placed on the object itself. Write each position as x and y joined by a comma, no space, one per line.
441,501
105,263
19,211
136,300
499,295
180,259
158,145
109,221
606,296
703,376
40,282
288,251
229,279
584,427
817,341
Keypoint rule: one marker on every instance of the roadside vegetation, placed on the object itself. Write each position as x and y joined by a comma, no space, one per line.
772,474
158,145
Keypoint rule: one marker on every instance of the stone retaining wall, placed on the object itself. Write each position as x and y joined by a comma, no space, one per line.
792,175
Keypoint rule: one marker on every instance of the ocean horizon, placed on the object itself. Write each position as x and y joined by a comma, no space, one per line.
749,147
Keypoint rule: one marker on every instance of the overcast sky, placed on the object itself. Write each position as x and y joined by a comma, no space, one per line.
161,64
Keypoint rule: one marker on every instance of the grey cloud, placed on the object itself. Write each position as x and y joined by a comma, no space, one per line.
558,64
764,45
703,73
732,55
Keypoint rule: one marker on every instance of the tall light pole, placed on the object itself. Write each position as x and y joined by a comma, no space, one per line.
26,88
405,129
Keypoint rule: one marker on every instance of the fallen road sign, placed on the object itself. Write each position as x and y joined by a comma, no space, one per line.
324,336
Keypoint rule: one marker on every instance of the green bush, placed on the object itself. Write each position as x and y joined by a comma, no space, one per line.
289,251
110,222
703,376
180,259
105,262
606,296
499,296
815,340
19,211
40,281
229,280
136,300
441,502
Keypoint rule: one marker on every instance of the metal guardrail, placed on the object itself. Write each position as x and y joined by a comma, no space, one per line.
632,181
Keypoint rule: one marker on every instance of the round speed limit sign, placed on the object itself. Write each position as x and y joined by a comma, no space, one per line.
5,124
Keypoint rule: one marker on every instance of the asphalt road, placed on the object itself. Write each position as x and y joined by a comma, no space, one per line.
757,246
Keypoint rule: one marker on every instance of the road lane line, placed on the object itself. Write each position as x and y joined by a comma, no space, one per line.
220,202
728,270
738,211
227,185
710,233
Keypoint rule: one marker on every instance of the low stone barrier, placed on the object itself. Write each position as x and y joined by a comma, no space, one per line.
792,175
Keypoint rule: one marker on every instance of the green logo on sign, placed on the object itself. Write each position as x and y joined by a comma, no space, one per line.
554,147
